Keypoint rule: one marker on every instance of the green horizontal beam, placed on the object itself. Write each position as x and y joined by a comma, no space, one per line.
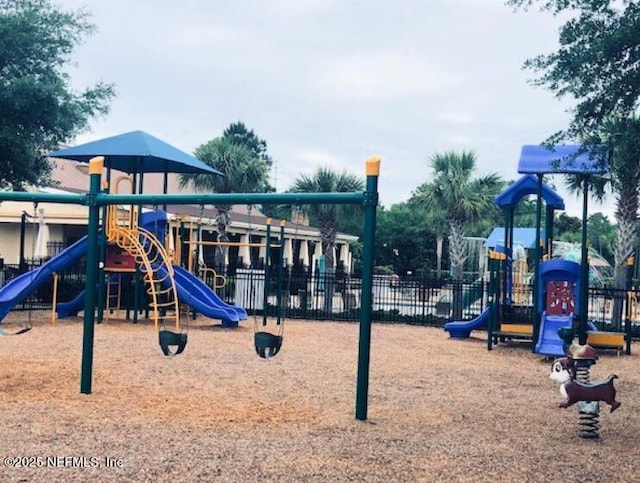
233,199
189,199
73,199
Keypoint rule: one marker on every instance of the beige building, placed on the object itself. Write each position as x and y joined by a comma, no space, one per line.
48,227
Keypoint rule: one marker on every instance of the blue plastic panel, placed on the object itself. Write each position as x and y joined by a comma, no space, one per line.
525,186
570,159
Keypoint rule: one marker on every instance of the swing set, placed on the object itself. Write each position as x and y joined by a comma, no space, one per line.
267,343
267,339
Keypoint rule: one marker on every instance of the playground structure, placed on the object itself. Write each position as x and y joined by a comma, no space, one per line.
157,267
558,298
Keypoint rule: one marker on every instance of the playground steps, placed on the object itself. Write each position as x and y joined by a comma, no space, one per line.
521,331
148,252
606,340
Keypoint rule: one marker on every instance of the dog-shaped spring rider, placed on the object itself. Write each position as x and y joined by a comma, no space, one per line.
573,391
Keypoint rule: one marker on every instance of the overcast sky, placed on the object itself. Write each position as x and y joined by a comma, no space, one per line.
328,82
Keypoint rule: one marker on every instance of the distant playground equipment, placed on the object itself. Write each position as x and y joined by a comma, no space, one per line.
512,317
520,275
513,313
137,152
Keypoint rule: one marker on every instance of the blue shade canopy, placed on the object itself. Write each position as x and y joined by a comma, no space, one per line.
568,159
525,186
521,236
137,152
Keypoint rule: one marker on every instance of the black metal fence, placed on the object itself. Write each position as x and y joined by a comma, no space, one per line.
315,296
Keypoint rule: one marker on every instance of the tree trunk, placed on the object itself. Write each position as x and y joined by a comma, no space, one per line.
625,216
439,241
458,255
223,220
328,236
457,248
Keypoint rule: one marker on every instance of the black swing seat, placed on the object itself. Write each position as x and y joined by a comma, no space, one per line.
170,339
21,331
267,344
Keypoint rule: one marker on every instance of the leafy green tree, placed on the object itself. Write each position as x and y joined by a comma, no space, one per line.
238,133
402,246
243,171
39,110
622,135
461,197
567,228
598,65
326,180
598,61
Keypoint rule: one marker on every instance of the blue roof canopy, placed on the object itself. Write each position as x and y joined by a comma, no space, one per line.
137,152
522,236
525,186
568,159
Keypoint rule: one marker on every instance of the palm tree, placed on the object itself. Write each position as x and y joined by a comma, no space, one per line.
462,198
244,172
325,180
622,135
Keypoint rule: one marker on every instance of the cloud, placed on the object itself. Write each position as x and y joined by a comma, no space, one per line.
328,82
461,118
380,75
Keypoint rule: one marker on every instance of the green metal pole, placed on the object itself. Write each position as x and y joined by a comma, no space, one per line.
584,269
102,285
364,347
95,172
43,197
280,279
208,199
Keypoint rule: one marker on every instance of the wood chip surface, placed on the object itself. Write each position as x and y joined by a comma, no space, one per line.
439,409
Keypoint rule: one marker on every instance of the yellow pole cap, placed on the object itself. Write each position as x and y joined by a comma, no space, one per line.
96,164
630,261
373,166
268,222
283,222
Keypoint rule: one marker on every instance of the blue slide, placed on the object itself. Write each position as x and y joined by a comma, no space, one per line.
191,290
549,342
201,298
70,308
462,329
16,290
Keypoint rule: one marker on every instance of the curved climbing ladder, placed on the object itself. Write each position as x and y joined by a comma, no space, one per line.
155,265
